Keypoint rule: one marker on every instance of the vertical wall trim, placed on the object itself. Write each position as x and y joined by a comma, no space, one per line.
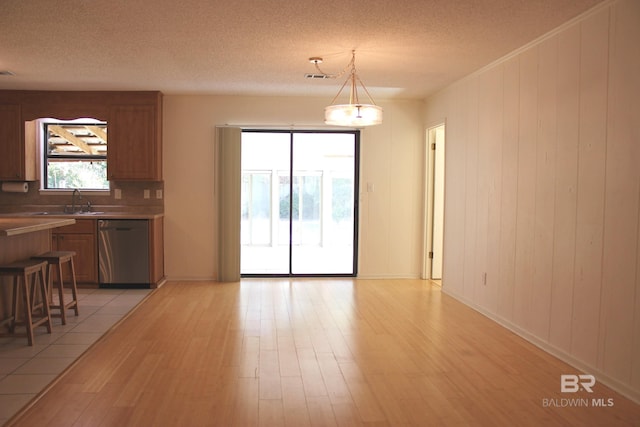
602,322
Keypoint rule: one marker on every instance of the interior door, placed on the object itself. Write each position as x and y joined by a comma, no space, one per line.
438,204
434,202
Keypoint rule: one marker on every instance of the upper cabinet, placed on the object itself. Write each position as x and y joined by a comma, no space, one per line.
135,151
17,162
134,125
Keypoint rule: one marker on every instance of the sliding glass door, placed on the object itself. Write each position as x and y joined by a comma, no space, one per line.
299,203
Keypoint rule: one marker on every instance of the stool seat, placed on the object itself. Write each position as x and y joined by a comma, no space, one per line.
23,266
57,258
20,271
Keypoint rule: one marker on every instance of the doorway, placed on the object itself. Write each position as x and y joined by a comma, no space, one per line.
434,202
299,203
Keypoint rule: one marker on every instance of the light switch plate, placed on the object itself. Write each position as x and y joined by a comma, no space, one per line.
117,193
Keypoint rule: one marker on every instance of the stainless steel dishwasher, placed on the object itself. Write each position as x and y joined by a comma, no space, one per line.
123,253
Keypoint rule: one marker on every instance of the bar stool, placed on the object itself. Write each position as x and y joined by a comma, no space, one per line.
21,272
56,259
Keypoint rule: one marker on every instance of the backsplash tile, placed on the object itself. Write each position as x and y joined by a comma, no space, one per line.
132,198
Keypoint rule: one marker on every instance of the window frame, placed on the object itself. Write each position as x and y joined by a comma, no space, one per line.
46,158
290,173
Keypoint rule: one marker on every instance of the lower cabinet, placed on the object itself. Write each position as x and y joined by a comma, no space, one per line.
80,238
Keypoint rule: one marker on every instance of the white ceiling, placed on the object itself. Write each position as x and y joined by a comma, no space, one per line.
404,48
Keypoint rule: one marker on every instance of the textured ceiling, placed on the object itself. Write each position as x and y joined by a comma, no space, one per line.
404,48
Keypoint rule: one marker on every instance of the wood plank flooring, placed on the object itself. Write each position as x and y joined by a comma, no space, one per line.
316,353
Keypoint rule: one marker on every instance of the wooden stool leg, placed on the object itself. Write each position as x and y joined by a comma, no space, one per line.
45,300
34,297
14,305
63,311
33,291
27,308
74,287
49,278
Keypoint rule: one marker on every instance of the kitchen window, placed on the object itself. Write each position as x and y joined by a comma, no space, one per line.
75,155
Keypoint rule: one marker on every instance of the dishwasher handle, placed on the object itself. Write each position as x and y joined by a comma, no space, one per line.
109,226
105,228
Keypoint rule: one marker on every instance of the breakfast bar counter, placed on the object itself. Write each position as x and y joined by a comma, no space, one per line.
13,226
22,238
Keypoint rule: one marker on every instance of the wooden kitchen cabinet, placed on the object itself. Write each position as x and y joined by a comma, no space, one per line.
80,238
135,142
134,123
17,162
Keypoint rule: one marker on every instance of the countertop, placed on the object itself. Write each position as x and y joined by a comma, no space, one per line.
15,225
84,215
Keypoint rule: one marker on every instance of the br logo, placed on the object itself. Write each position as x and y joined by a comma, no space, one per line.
570,383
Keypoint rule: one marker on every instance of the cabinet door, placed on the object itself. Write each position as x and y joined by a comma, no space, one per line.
134,148
12,161
85,262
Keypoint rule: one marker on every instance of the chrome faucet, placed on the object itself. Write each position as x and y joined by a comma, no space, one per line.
73,199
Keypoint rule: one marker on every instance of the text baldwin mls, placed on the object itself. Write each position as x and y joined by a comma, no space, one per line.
570,383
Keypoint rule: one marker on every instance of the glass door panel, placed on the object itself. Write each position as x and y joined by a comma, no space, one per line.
264,235
323,215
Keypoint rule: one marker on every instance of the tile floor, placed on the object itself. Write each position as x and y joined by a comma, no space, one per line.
25,370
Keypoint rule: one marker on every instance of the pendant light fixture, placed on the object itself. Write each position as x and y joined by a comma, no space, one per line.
355,113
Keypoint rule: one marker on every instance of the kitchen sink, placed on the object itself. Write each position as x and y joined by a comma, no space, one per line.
58,213
49,213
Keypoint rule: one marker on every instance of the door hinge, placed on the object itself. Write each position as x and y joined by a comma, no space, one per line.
430,255
433,146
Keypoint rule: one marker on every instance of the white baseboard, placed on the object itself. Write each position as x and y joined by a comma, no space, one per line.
387,276
601,377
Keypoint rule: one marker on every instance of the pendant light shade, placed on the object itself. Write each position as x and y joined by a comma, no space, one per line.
355,113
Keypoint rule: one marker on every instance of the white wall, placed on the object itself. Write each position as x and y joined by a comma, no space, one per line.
391,160
543,188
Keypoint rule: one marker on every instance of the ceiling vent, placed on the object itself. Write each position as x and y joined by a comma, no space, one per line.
317,76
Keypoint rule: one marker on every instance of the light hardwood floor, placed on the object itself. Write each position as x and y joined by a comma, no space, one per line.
316,353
